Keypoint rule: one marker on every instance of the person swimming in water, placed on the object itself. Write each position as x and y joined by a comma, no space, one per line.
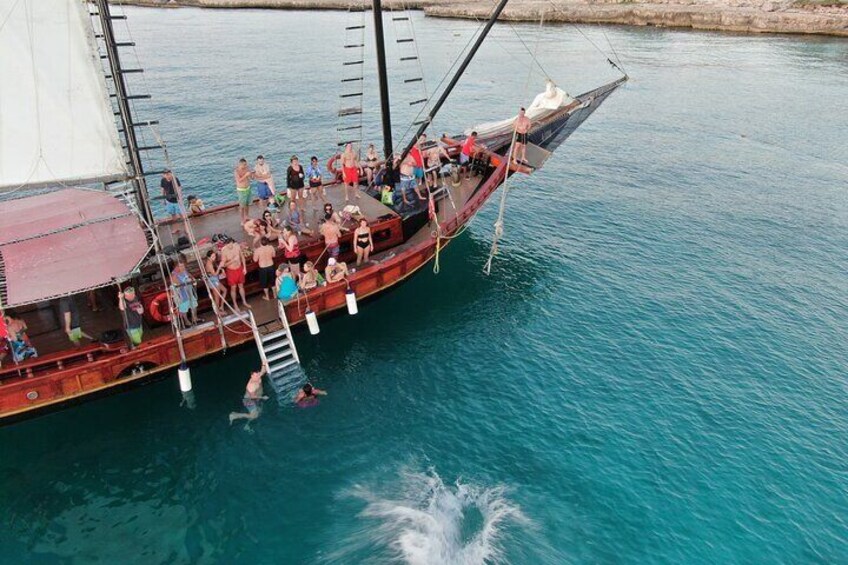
308,394
253,397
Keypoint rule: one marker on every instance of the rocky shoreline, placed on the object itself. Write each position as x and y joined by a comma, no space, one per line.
741,16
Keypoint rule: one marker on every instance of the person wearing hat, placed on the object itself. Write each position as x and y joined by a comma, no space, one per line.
134,311
336,270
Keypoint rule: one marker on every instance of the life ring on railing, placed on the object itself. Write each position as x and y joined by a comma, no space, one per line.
337,174
155,308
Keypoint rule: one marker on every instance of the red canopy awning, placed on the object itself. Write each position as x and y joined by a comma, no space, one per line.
65,242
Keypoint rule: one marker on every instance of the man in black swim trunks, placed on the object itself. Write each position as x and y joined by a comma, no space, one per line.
522,128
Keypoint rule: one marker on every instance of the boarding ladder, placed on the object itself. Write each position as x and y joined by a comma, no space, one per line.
410,59
279,354
349,126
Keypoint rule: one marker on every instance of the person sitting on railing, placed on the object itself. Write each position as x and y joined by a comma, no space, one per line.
195,205
336,271
296,220
185,298
134,310
19,343
254,230
272,226
286,285
70,319
309,277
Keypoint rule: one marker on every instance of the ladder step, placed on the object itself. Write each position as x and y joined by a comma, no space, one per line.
353,63
355,27
414,102
404,40
121,17
343,143
400,18
150,147
354,45
349,111
407,81
281,367
419,122
273,335
138,97
280,355
350,95
130,71
352,79
349,128
125,44
409,58
275,346
146,123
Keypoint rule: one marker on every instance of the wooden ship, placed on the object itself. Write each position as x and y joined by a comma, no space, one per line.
78,217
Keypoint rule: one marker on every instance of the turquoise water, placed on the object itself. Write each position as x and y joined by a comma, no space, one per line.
655,371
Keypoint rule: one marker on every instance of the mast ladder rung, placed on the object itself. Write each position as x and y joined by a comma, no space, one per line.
346,128
407,81
352,79
419,122
353,63
354,45
400,19
130,71
119,17
414,102
343,143
150,147
350,95
404,40
145,123
349,111
138,97
409,58
125,44
355,27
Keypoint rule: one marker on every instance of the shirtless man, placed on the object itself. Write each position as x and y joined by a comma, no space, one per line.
351,170
331,232
434,157
242,176
253,397
264,181
264,258
232,260
522,127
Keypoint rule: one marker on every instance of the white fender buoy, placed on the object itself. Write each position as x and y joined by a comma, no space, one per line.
352,307
184,374
312,322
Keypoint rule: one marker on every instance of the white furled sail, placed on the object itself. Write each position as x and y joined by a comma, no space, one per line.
56,121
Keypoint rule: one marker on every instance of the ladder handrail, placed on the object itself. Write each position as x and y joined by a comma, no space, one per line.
257,338
282,312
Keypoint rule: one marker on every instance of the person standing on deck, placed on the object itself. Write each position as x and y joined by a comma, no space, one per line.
351,171
134,311
295,177
264,181
232,260
418,170
316,179
466,154
69,314
363,242
213,274
185,297
522,128
170,191
331,232
371,160
264,258
407,180
253,397
243,176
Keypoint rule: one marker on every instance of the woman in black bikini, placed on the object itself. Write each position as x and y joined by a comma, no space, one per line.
371,160
364,244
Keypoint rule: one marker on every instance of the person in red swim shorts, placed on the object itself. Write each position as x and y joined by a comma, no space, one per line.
351,171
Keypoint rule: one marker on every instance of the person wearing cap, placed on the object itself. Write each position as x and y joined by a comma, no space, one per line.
170,187
134,311
336,271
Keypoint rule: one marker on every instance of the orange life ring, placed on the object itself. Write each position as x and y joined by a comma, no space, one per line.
155,308
332,168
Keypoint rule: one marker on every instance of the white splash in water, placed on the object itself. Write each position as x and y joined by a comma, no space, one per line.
434,523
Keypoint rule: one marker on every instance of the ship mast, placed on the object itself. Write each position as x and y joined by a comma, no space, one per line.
385,108
138,180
